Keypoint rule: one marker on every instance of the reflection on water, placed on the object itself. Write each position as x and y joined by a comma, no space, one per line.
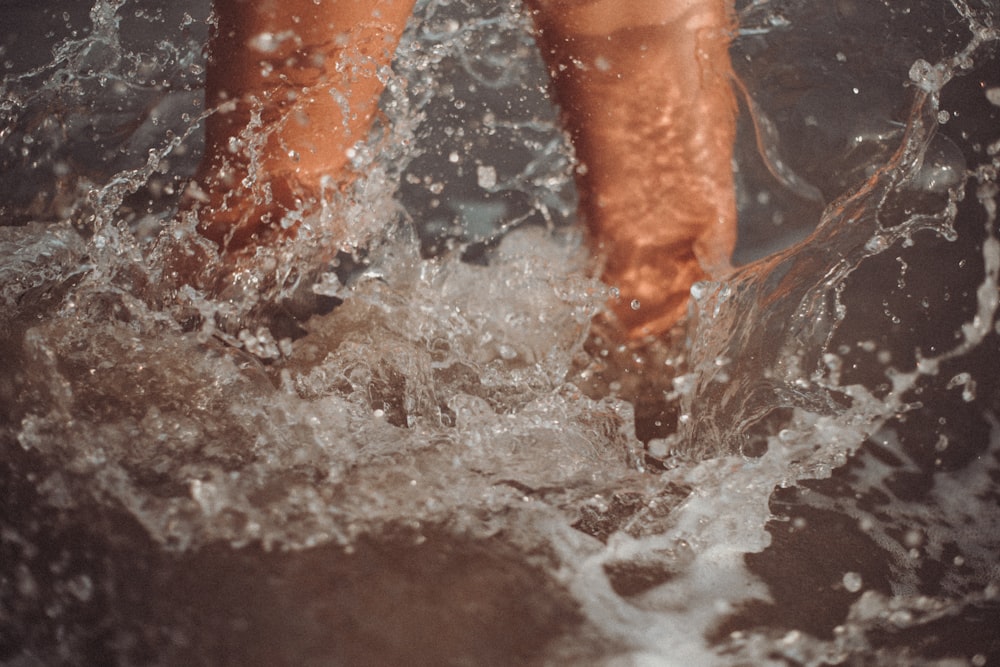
407,443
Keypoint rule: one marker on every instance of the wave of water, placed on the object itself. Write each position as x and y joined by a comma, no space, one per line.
406,442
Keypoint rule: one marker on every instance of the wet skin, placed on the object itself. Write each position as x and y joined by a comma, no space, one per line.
644,92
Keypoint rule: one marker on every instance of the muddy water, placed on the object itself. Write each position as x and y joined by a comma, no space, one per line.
407,443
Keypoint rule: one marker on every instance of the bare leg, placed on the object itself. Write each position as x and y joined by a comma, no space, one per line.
644,88
645,93
310,68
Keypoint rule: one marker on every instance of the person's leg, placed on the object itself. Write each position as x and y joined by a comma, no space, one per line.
310,69
644,88
645,91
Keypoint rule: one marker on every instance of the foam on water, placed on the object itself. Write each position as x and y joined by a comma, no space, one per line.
421,359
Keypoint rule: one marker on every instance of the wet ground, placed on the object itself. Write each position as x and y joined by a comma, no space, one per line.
446,469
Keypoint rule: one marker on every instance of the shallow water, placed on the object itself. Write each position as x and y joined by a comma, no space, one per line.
405,442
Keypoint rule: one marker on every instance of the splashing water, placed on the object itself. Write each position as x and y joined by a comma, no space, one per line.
404,442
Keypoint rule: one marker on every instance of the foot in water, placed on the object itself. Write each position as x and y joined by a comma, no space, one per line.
644,91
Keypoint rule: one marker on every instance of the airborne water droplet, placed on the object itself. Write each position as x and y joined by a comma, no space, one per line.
852,582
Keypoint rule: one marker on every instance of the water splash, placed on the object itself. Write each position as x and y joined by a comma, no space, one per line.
762,338
444,399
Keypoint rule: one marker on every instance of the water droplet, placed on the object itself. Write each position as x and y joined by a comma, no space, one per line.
852,582
486,176
913,538
993,95
265,42
81,587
